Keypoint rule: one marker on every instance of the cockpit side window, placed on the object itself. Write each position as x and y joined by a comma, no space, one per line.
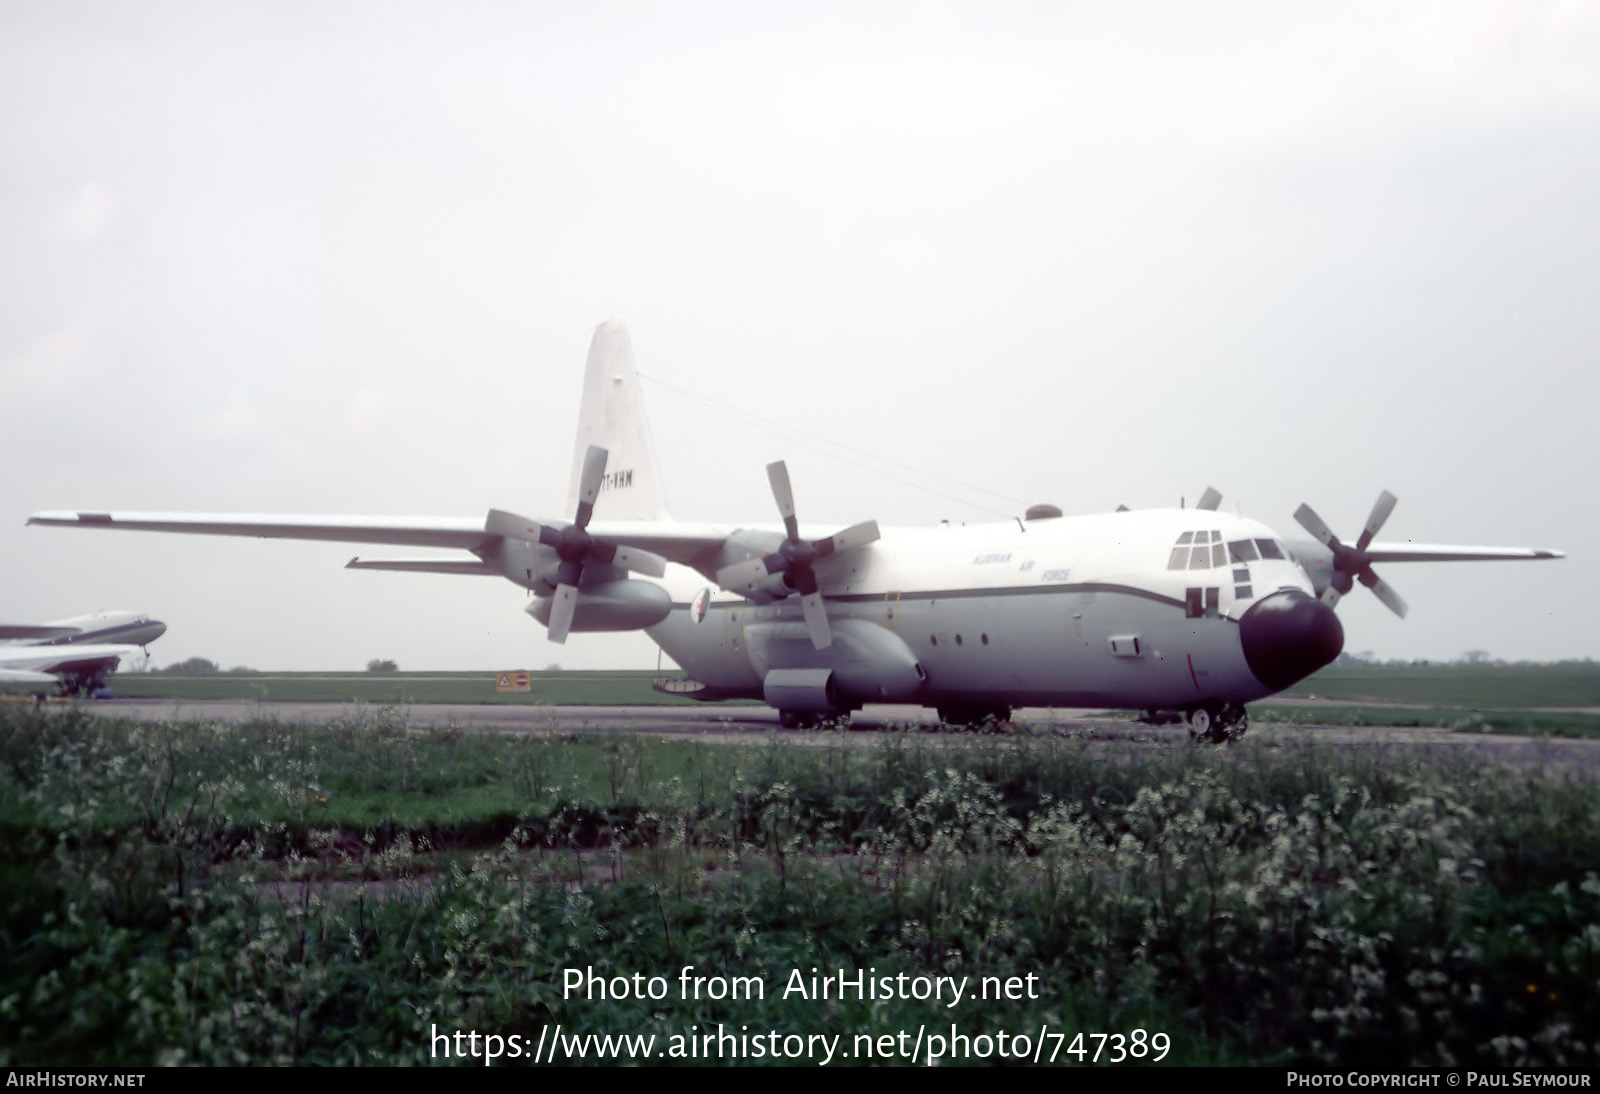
1269,548
1243,550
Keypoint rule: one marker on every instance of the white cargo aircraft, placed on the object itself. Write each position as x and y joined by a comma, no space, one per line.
1174,609
78,653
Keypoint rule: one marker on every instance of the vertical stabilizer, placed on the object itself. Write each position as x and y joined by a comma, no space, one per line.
612,416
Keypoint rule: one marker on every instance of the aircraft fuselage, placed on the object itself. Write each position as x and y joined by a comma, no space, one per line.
1156,608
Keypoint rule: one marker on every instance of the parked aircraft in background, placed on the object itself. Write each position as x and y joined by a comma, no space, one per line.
1181,609
77,653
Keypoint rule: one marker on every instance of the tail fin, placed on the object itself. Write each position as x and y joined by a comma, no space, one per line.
612,416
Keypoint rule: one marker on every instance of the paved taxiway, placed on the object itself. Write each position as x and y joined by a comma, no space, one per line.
753,723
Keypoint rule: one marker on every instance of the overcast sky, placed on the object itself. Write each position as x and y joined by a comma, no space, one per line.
346,257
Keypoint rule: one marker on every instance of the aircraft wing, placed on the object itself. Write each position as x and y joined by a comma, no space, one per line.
46,659
19,676
1437,552
689,544
463,532
696,545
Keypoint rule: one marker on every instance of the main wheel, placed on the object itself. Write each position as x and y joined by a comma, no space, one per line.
1202,720
796,719
1231,723
975,717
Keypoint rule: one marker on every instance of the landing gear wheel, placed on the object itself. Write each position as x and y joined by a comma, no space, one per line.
837,722
985,718
838,718
1231,724
1218,723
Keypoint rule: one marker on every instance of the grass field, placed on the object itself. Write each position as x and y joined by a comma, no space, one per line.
1527,723
1570,684
219,894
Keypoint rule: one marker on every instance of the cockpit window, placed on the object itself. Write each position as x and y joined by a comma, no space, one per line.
1243,550
1269,548
1200,550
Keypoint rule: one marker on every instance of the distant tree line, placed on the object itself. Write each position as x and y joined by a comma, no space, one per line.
1368,659
376,665
204,666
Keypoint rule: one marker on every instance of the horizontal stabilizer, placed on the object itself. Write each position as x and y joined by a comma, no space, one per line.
424,565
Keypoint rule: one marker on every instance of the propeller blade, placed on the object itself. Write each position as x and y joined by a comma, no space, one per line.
561,609
1210,499
594,473
743,577
1330,596
510,525
1313,524
783,494
1380,513
1384,592
857,535
816,620
640,561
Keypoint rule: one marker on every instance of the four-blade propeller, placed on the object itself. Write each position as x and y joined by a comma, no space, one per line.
795,559
1351,563
574,546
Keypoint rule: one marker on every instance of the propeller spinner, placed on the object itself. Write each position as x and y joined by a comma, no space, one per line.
574,546
795,559
1352,563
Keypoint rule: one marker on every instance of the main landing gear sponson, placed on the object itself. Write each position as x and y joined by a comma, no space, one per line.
1218,723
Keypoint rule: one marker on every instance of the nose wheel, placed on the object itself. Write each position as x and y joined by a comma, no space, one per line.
1218,723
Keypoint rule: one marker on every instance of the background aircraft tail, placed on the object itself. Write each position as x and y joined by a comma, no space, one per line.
612,416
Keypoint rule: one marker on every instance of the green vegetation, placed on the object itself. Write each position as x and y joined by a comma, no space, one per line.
221,894
1566,684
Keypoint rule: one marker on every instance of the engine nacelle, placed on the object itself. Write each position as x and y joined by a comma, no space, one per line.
622,605
866,662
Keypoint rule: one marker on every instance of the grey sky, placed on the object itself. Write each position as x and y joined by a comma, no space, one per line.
347,257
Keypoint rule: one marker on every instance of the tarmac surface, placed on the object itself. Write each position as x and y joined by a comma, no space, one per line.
754,723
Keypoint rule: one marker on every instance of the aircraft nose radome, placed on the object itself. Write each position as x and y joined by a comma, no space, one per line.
1288,636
